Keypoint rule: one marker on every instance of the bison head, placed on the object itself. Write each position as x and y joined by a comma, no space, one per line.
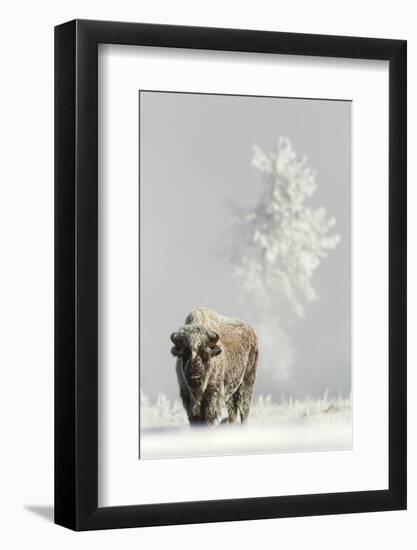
195,345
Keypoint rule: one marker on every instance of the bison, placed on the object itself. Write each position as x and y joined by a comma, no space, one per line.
216,366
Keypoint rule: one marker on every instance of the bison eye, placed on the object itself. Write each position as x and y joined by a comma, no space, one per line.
215,350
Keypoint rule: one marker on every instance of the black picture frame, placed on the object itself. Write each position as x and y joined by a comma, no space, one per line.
76,272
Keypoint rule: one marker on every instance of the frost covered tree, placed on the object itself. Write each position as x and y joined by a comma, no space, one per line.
282,240
280,244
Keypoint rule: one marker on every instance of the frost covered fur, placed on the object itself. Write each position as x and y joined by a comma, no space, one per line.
216,366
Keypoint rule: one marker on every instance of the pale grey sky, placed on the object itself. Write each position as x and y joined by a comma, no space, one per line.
195,164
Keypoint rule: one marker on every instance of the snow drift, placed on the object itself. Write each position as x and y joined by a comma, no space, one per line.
289,426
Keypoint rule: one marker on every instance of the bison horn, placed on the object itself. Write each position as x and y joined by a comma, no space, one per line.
213,337
176,337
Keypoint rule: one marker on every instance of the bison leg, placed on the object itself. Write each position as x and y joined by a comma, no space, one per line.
191,407
211,406
232,408
246,389
245,398
194,420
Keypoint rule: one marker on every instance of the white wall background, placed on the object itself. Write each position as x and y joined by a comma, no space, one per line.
26,277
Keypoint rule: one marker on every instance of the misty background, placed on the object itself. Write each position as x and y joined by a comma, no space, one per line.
195,169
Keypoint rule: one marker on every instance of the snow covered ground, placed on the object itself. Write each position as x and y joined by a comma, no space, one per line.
287,426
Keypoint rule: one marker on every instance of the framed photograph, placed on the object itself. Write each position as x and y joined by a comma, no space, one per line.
230,275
